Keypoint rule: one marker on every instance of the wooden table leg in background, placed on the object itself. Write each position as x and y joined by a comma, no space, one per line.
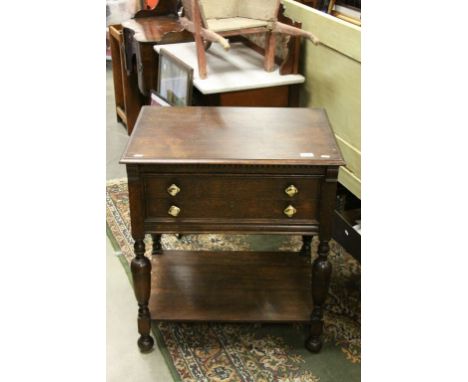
321,268
306,245
157,248
141,265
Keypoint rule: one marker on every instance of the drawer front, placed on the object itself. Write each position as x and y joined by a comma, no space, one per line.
232,197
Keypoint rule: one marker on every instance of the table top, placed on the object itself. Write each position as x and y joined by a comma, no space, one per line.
153,29
240,68
232,135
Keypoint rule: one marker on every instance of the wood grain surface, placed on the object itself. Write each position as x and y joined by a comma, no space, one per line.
231,135
153,29
230,286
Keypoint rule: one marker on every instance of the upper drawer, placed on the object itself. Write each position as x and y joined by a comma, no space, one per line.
232,187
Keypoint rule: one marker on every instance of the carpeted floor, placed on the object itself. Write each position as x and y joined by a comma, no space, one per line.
227,352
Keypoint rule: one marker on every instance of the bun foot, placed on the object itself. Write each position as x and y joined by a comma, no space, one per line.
145,343
313,344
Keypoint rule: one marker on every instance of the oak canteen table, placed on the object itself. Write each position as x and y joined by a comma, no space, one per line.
231,170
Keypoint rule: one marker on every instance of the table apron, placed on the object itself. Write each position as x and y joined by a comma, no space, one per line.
230,227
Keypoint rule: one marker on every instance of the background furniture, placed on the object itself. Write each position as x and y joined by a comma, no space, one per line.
141,34
134,62
347,10
333,81
175,79
345,218
237,77
235,170
211,21
150,4
128,99
333,73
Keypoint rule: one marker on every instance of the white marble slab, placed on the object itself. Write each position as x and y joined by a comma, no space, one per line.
239,68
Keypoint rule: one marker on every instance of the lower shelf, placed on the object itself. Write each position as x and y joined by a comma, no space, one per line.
231,287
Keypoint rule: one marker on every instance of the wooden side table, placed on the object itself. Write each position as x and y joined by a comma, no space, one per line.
233,170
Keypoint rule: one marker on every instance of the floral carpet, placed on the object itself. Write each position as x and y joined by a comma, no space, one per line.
249,352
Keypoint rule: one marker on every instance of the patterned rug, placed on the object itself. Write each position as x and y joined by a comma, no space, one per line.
248,352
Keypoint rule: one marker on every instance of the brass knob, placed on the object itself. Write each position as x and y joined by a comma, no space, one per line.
174,211
289,211
291,190
173,190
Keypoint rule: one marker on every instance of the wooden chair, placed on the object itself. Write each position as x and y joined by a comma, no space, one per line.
212,20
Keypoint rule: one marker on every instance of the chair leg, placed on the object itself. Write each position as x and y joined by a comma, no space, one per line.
201,56
293,31
270,48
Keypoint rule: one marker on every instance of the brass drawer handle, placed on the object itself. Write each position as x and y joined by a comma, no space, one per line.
174,211
291,190
173,190
289,211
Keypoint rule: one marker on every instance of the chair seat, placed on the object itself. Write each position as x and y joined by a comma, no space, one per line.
234,23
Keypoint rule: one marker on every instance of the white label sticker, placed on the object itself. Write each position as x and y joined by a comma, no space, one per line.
137,155
307,155
324,156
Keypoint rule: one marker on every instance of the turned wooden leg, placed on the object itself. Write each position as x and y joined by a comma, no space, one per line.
141,272
321,272
157,248
306,245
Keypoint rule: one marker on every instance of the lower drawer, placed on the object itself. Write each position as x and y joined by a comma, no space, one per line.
230,209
